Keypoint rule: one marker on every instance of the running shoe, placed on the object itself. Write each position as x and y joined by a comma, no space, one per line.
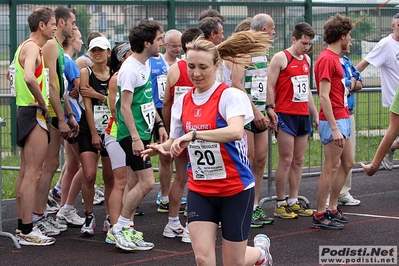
54,195
56,225
339,217
159,198
17,233
259,218
326,222
138,212
387,162
185,237
107,223
35,238
46,228
284,212
163,207
99,197
70,217
171,232
263,242
348,200
301,210
122,238
89,225
52,205
138,240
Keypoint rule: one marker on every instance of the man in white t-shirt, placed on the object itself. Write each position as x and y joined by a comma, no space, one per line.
137,117
386,56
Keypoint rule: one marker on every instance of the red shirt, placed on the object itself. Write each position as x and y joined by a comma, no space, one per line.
183,80
226,166
329,67
285,88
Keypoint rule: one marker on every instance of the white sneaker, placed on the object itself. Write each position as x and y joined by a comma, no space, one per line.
88,225
348,200
107,224
35,238
56,225
138,240
171,232
69,217
185,238
52,205
387,162
122,239
99,197
263,242
46,228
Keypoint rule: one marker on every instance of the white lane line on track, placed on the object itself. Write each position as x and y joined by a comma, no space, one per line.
372,215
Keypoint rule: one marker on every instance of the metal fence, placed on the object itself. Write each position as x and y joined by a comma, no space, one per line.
114,18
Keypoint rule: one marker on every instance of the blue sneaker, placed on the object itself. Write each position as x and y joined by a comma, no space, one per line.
326,222
159,198
183,200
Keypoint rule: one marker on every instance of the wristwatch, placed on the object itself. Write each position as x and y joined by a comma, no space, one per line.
270,106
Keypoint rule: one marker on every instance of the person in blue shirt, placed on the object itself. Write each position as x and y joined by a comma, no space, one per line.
353,82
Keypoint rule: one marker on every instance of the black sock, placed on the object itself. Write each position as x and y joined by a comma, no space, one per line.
19,224
26,228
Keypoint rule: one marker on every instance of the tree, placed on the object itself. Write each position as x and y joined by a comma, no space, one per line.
365,27
83,22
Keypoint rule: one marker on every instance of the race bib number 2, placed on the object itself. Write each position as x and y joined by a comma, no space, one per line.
101,117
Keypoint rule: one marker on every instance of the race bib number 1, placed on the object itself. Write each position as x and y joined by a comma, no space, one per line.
148,112
161,81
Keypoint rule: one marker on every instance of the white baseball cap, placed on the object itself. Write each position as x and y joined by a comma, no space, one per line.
100,42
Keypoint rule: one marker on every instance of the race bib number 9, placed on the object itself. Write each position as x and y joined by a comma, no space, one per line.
206,160
258,88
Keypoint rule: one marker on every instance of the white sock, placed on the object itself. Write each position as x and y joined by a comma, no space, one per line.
165,199
36,217
58,187
292,201
280,202
174,221
255,207
122,222
68,207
